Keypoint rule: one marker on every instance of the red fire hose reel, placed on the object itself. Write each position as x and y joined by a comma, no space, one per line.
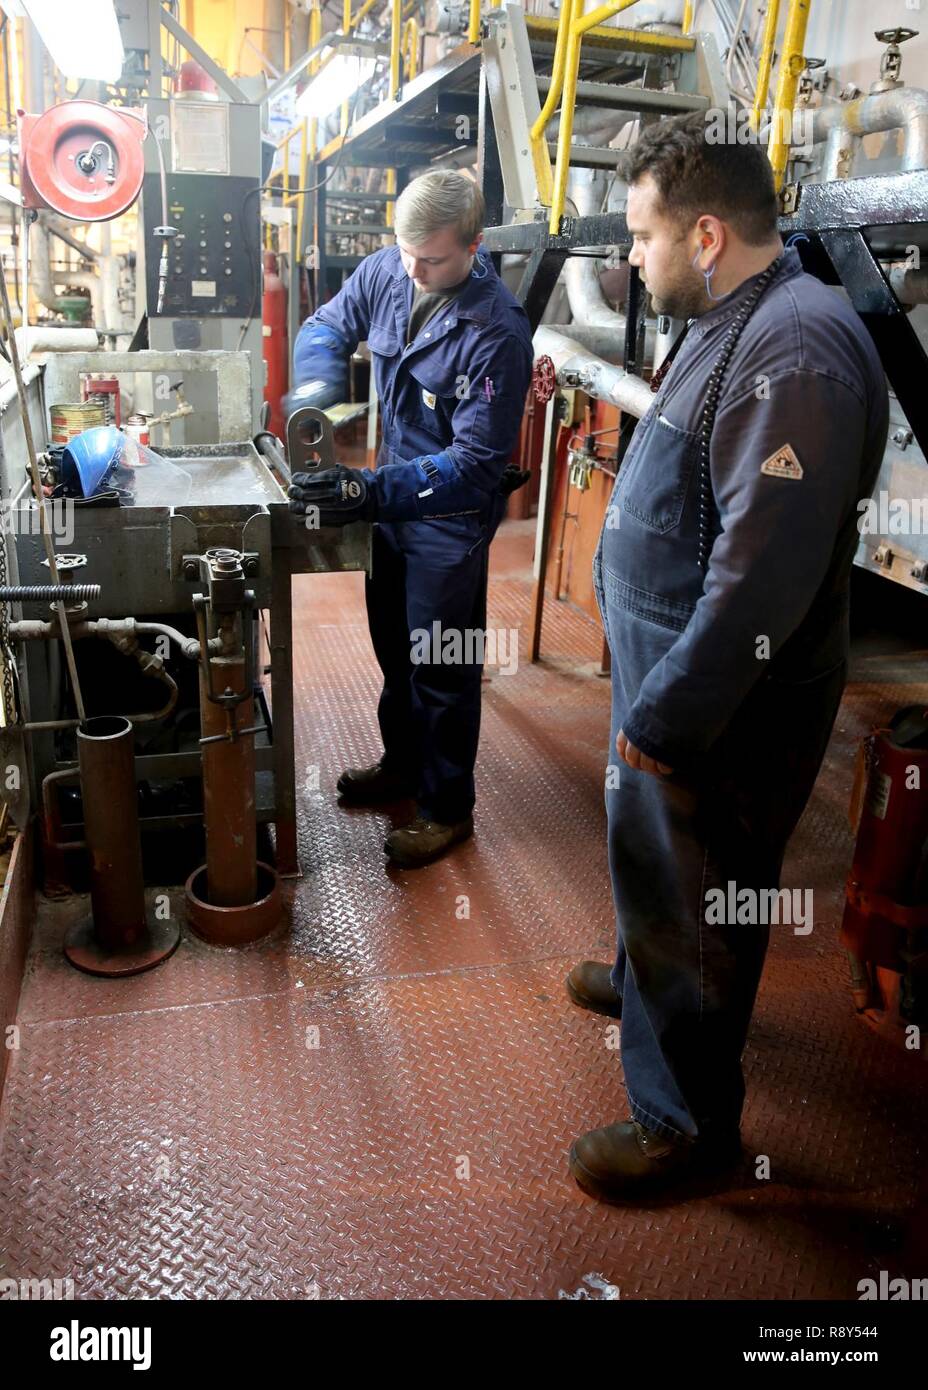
82,159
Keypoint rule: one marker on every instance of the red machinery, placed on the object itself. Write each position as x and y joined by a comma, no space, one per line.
885,925
82,159
275,346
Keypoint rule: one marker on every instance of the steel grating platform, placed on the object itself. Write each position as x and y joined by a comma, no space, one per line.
377,1102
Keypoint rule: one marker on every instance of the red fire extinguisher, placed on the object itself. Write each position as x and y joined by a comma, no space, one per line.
275,347
885,922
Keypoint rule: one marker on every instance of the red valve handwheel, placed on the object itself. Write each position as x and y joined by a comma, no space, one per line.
544,379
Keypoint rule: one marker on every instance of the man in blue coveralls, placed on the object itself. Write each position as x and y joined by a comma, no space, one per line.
722,576
451,350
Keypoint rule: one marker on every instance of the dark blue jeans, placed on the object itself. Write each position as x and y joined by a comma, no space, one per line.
422,573
688,984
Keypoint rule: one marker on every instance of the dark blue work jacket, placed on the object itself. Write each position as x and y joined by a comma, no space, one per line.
451,402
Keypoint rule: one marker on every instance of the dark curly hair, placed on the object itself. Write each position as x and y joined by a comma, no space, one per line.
697,173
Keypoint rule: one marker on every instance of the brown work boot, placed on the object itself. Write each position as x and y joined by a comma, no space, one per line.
589,985
624,1162
424,840
369,786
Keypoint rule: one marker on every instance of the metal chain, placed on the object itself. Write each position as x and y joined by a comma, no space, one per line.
710,407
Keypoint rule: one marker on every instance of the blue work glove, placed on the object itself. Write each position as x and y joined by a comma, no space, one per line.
319,394
333,496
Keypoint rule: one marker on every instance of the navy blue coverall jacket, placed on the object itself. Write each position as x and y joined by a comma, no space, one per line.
731,676
451,404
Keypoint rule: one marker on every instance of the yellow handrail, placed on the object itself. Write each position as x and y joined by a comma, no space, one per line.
792,62
368,5
766,63
579,25
410,48
315,35
540,156
396,39
289,196
346,29
687,24
402,36
473,27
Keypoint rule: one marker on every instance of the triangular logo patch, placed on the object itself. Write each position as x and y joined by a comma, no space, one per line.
782,464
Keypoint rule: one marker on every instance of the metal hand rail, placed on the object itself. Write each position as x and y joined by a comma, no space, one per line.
765,63
579,25
792,62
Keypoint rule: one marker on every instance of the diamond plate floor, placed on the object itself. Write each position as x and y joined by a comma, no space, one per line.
377,1102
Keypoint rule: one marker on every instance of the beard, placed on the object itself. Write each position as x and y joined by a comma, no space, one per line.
683,299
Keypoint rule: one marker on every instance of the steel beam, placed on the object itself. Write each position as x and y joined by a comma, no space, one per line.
620,98
901,352
538,280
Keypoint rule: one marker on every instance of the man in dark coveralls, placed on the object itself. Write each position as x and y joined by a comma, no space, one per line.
451,351
722,576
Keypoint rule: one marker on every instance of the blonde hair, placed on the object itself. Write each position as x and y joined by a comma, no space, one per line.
441,198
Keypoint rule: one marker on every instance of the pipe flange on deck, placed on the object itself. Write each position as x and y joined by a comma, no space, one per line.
233,926
86,949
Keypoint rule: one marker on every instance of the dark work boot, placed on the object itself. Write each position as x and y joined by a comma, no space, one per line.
369,786
589,985
626,1162
424,840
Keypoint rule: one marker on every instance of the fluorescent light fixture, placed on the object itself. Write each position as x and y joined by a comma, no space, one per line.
337,82
83,38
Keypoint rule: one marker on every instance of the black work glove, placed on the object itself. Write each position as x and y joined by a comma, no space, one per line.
513,478
333,496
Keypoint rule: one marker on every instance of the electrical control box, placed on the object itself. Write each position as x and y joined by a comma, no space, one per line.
213,262
212,156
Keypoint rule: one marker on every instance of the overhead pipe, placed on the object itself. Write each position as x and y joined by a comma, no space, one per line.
55,338
903,108
597,328
594,339
40,276
909,286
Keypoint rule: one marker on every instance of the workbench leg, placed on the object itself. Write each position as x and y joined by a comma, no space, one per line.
281,641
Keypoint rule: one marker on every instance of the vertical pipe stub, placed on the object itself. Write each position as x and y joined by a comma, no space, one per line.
120,937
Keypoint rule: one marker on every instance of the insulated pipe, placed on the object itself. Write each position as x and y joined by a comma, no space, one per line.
50,338
904,108
40,275
588,305
840,152
581,273
593,338
595,123
575,366
909,286
58,229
